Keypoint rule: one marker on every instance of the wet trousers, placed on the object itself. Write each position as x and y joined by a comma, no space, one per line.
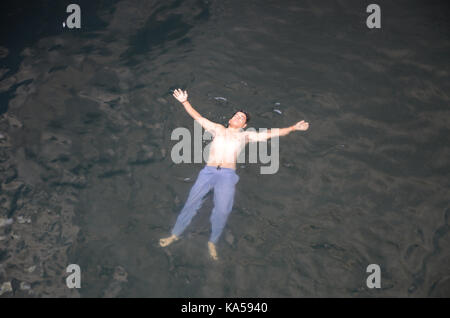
224,181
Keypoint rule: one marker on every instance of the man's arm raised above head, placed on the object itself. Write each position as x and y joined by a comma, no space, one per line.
253,136
208,125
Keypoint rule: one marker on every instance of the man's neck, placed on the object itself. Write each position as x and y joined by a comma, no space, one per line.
232,129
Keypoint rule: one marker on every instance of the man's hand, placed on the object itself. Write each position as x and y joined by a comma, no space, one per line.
180,95
301,125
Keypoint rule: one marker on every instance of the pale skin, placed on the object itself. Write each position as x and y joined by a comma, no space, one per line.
227,143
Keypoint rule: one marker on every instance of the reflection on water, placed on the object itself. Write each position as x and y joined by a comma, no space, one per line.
87,178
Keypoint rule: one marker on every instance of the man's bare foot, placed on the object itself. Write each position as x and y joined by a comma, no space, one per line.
212,251
168,240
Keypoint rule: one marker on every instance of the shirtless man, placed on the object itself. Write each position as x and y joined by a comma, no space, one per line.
220,170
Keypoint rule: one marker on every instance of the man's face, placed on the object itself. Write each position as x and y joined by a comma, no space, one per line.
238,120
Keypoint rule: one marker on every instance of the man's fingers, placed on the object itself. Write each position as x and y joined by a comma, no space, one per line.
178,92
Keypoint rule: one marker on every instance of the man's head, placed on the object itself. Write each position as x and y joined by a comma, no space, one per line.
239,119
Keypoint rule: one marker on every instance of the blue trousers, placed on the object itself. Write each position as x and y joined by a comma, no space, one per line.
224,181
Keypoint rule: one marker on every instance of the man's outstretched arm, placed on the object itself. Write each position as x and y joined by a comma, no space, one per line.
208,125
261,136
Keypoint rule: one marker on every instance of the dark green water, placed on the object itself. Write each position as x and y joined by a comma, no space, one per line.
86,123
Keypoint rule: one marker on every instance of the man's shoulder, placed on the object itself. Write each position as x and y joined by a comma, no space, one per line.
249,132
220,129
208,124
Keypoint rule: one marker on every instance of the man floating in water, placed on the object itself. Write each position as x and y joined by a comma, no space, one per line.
220,170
